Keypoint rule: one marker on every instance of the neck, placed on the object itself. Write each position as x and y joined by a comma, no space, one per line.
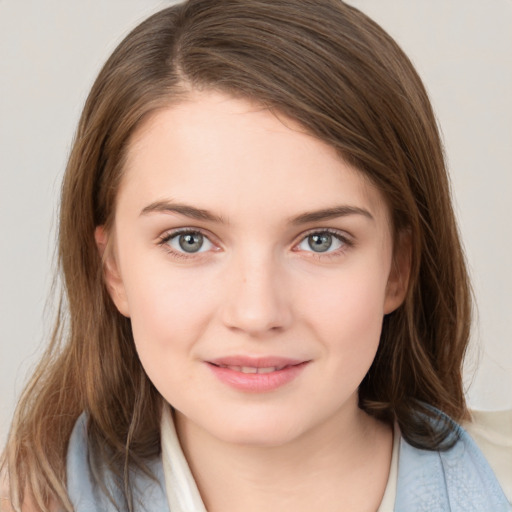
328,468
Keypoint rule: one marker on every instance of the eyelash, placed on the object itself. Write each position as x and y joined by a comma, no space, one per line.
347,242
345,239
164,239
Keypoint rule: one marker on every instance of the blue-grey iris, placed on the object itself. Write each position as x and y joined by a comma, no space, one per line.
320,242
191,242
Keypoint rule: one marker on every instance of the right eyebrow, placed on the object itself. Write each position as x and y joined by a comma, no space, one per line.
182,209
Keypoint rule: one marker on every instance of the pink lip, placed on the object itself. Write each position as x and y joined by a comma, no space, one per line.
255,361
286,370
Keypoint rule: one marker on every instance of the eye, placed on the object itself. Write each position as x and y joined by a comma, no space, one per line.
322,241
189,242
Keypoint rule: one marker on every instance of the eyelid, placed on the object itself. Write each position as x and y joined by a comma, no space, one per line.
166,236
346,238
343,236
169,233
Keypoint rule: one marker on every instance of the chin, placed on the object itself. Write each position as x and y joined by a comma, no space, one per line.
257,432
260,439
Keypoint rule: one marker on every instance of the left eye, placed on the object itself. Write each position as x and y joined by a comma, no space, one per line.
189,242
321,242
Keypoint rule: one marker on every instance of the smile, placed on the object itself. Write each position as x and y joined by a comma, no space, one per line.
252,369
256,375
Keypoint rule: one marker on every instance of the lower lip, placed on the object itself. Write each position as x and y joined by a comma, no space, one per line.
257,382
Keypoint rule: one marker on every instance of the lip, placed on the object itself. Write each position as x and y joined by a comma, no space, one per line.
278,372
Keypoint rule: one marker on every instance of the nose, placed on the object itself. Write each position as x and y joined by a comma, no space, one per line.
256,298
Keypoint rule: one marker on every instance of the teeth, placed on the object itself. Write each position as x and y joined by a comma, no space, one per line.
267,370
252,369
248,369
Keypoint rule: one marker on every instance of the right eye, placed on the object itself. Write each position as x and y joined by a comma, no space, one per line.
189,242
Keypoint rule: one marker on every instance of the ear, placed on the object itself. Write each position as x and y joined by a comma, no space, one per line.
398,280
111,274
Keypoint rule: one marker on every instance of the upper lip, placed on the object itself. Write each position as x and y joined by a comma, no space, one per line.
256,361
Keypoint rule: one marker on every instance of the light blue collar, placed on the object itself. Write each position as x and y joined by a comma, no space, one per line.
456,480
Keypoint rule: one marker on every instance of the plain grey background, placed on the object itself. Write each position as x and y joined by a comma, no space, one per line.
50,52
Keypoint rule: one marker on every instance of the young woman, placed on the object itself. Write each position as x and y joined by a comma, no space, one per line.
265,301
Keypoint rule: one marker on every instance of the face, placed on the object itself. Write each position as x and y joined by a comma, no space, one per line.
255,266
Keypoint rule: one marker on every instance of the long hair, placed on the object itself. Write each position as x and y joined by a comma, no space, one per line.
325,65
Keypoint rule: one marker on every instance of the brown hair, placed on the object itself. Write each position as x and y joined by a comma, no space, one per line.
329,67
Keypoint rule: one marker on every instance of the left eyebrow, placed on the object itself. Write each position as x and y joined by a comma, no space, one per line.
330,213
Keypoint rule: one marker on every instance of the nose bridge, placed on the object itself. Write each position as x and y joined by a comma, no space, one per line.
255,300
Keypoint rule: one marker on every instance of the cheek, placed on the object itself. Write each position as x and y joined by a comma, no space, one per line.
168,313
348,311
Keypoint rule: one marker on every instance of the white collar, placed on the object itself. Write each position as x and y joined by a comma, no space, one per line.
181,488
182,491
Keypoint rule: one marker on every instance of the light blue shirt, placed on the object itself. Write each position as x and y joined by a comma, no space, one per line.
456,480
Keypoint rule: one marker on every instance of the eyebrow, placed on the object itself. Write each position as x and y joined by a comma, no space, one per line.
182,209
205,215
330,213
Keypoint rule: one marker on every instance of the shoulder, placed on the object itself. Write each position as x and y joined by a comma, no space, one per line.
492,432
86,493
457,479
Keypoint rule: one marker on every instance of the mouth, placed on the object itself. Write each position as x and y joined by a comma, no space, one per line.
251,369
256,375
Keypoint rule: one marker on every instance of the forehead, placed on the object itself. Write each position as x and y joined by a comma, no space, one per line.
227,153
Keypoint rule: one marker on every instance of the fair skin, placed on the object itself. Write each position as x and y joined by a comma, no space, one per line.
258,323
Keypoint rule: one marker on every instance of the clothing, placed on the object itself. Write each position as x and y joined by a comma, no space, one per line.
388,500
457,480
492,431
181,488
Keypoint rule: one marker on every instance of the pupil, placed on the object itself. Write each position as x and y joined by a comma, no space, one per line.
191,242
320,242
